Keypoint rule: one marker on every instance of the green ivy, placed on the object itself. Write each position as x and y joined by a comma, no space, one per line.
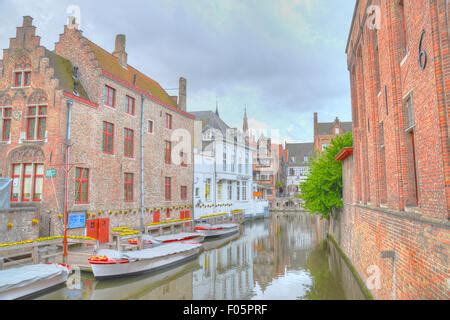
322,190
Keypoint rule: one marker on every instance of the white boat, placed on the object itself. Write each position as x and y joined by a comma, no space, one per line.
152,241
112,264
217,230
179,237
25,281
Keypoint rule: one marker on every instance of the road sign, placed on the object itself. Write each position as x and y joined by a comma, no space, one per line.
50,173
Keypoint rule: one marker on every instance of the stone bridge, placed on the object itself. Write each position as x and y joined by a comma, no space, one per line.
287,204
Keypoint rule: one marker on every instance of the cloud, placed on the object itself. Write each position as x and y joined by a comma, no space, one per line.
282,59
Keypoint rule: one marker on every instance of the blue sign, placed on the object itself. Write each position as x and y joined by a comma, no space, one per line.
76,220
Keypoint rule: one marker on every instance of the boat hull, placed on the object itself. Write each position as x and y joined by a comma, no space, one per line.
34,288
218,233
137,267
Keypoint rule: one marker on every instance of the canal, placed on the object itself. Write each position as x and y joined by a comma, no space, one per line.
284,257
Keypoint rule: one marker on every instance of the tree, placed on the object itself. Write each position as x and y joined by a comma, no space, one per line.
322,190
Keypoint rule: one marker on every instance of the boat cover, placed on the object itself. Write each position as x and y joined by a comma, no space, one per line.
25,275
222,226
177,237
152,253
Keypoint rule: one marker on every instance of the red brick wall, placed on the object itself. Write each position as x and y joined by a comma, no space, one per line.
421,247
106,172
379,214
389,180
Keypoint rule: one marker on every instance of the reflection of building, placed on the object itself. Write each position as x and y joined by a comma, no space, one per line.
101,95
324,132
300,155
222,174
226,273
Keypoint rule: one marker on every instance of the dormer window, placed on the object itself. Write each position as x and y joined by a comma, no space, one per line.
22,79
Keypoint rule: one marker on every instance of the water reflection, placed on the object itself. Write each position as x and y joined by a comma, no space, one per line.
284,257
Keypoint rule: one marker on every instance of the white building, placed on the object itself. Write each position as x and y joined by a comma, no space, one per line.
300,155
223,175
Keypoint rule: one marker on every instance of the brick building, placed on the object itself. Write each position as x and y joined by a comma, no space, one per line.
324,132
114,142
397,178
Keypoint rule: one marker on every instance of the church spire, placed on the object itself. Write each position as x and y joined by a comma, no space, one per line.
217,108
245,125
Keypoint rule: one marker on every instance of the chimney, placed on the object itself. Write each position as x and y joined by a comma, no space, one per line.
119,50
27,21
316,124
182,94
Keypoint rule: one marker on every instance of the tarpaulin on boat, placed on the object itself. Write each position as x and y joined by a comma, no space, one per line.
152,253
25,275
177,237
217,226
5,189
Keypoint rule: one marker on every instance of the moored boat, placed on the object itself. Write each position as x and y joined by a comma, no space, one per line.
179,237
29,280
217,230
113,264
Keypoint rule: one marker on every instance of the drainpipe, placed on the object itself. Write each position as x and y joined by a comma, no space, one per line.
142,164
69,104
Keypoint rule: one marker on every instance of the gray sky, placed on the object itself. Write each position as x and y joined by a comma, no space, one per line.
283,59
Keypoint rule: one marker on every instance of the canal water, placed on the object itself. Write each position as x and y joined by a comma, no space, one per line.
286,256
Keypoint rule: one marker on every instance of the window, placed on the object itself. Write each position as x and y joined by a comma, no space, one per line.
183,192
219,190
168,189
28,182
305,159
129,143
376,59
168,211
244,191
337,130
402,27
230,190
150,126
6,114
168,152
208,190
36,122
238,191
247,162
110,97
22,79
108,137
409,113
81,185
197,192
168,121
130,105
128,186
